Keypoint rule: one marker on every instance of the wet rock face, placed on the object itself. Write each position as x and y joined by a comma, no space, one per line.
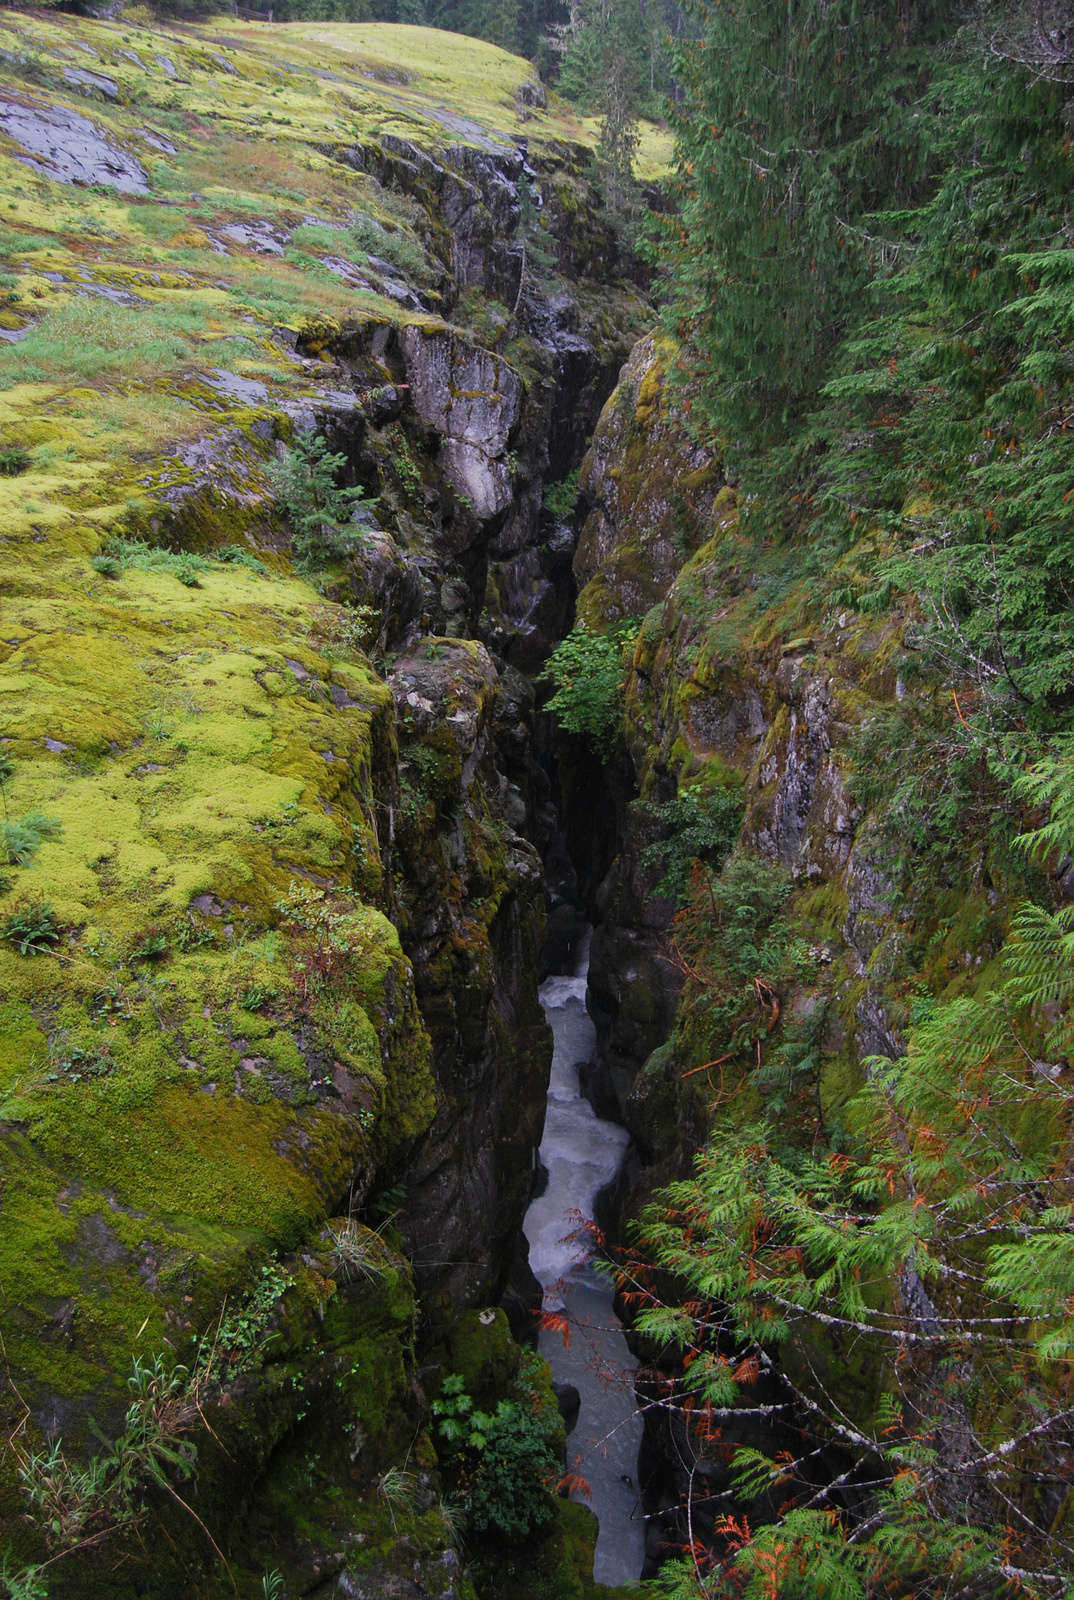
505,433
805,820
704,698
472,400
66,145
472,922
633,986
650,491
470,196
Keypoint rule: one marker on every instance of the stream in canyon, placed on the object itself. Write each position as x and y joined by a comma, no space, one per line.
582,1155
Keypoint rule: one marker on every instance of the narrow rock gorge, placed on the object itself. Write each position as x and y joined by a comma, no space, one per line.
535,921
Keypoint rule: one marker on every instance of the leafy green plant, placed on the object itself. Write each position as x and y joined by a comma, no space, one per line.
31,928
328,931
272,1585
187,571
257,996
243,1335
702,826
78,1063
237,555
503,1461
344,633
189,936
589,670
406,467
457,1423
321,514
560,498
13,461
21,1583
23,839
387,1203
150,945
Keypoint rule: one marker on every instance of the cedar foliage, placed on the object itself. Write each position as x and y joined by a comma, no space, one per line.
934,1251
940,1246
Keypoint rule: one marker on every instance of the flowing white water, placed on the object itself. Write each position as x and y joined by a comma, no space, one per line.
583,1154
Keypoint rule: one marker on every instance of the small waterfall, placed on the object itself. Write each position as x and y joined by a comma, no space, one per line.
582,1155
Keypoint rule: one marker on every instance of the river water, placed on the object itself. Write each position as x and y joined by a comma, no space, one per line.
582,1155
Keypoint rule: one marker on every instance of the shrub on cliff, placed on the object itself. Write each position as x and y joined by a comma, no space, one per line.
588,670
700,828
502,1462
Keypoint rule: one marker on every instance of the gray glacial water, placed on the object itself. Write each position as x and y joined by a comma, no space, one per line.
583,1154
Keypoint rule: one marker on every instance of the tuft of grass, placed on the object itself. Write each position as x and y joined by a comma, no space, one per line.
366,237
352,1254
144,557
97,340
23,839
399,1489
13,243
147,420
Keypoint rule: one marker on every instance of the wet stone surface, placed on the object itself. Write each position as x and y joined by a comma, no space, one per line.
69,147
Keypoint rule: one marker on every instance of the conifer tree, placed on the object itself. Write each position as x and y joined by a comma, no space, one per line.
789,137
619,102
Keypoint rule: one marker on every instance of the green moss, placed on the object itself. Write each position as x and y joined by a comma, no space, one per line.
558,1566
172,1121
480,1349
